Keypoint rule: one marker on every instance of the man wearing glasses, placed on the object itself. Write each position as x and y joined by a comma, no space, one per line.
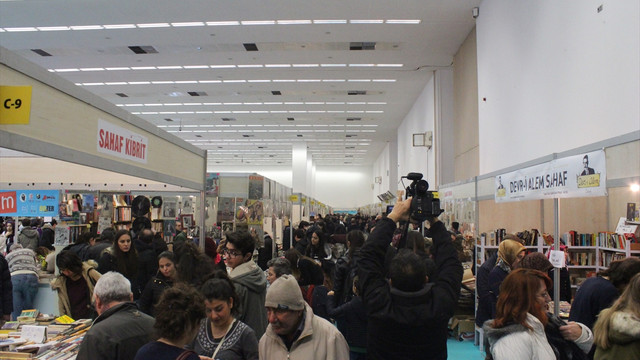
249,280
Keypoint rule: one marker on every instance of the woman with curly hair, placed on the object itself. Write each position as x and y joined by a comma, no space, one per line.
178,315
122,257
220,335
517,332
617,330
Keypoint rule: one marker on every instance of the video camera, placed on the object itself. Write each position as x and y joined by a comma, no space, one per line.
425,203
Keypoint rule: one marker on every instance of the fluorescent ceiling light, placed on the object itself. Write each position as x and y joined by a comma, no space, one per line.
329,21
196,66
20,29
333,65
305,65
389,65
250,66
366,21
91,69
116,83
171,67
222,23
161,82
54,28
258,81
293,22
153,25
222,66
399,21
117,68
361,65
277,65
258,22
187,24
119,26
210,81
143,68
87,27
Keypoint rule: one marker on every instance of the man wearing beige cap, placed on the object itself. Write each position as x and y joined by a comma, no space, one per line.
294,332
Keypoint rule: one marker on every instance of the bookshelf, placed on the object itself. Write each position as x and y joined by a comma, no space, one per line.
587,253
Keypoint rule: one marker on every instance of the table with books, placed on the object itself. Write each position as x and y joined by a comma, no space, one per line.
41,336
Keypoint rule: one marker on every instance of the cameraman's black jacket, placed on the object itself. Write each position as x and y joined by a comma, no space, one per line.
408,325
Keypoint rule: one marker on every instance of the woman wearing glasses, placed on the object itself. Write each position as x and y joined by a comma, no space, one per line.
517,332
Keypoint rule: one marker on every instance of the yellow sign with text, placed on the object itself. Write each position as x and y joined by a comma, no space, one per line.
294,198
16,104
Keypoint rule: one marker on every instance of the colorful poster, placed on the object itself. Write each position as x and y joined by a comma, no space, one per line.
88,203
212,186
256,212
29,203
256,186
226,208
61,235
574,176
241,211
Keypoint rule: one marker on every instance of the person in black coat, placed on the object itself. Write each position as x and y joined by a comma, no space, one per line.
48,235
147,258
408,316
346,269
163,279
6,293
354,317
105,240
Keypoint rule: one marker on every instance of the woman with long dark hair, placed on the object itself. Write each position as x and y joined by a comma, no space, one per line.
122,257
345,268
221,336
517,332
164,279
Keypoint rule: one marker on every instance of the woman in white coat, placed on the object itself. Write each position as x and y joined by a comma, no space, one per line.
517,332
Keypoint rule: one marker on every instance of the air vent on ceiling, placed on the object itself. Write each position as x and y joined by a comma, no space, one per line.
351,135
362,46
246,135
41,52
354,119
350,147
143,49
357,92
250,46
347,162
122,94
276,92
299,135
348,156
168,119
228,119
290,119
198,135
197,93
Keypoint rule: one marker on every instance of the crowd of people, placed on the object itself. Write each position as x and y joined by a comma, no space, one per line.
339,287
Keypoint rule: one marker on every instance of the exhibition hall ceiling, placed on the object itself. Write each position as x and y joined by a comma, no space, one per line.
247,79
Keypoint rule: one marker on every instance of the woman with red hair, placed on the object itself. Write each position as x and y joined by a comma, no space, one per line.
517,332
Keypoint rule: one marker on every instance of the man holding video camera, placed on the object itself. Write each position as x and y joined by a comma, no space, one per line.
408,314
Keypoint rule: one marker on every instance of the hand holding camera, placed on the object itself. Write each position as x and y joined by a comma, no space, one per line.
401,210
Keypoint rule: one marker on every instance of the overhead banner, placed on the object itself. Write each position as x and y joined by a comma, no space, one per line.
574,176
122,143
29,203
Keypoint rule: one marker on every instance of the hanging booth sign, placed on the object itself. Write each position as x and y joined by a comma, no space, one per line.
574,176
120,142
29,203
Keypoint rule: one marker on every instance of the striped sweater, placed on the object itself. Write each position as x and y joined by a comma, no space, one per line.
22,261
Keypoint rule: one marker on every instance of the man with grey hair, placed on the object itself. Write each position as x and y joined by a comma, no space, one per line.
120,329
